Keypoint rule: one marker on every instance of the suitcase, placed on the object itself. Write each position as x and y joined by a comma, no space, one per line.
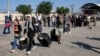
44,39
53,35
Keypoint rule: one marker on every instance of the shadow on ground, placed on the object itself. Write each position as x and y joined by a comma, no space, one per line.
26,46
93,38
87,46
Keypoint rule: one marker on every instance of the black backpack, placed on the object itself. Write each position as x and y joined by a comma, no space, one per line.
53,35
44,39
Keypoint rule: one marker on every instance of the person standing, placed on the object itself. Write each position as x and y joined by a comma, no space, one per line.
30,31
74,20
66,23
88,21
44,20
10,18
17,34
80,20
48,20
53,19
39,18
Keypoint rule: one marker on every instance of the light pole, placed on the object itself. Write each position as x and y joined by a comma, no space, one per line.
8,5
72,8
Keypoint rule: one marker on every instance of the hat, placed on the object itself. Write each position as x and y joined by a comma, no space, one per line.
28,15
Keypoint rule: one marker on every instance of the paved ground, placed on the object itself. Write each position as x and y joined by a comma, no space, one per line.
80,42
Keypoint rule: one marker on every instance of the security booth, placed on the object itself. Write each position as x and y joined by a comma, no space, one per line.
92,9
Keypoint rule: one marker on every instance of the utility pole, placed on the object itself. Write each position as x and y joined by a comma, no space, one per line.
94,17
8,7
72,8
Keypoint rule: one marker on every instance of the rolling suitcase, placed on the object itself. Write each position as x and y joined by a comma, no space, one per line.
53,35
44,39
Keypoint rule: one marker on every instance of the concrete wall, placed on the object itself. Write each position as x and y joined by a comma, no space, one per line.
2,16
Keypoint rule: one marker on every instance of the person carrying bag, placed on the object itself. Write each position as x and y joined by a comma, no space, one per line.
17,34
30,32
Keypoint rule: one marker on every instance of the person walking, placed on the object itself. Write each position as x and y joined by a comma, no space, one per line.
17,34
59,28
6,26
30,31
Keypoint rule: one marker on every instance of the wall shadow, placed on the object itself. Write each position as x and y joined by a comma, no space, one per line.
87,46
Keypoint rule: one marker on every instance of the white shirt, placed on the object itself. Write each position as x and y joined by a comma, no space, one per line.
88,18
39,17
53,19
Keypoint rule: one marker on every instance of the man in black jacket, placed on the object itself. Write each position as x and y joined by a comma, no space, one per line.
30,30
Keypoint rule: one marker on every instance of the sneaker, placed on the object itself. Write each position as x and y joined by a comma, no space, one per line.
59,42
12,51
2,34
28,53
65,32
34,47
69,32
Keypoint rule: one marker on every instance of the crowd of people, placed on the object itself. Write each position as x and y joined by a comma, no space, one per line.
75,20
61,22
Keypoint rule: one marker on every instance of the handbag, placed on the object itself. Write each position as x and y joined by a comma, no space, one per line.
8,24
23,41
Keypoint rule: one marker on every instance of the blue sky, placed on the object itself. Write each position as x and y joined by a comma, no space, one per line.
66,3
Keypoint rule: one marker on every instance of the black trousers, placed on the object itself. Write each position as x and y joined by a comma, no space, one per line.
48,24
31,41
53,24
40,22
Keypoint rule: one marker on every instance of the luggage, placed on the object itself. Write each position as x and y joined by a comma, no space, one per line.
44,39
85,23
23,42
8,24
53,35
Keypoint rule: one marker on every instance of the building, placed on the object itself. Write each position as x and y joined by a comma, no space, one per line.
91,9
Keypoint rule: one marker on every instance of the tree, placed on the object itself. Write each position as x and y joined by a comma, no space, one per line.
44,7
62,10
24,9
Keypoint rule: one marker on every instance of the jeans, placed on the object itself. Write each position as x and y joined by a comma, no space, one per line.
53,24
15,41
68,28
4,31
39,21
